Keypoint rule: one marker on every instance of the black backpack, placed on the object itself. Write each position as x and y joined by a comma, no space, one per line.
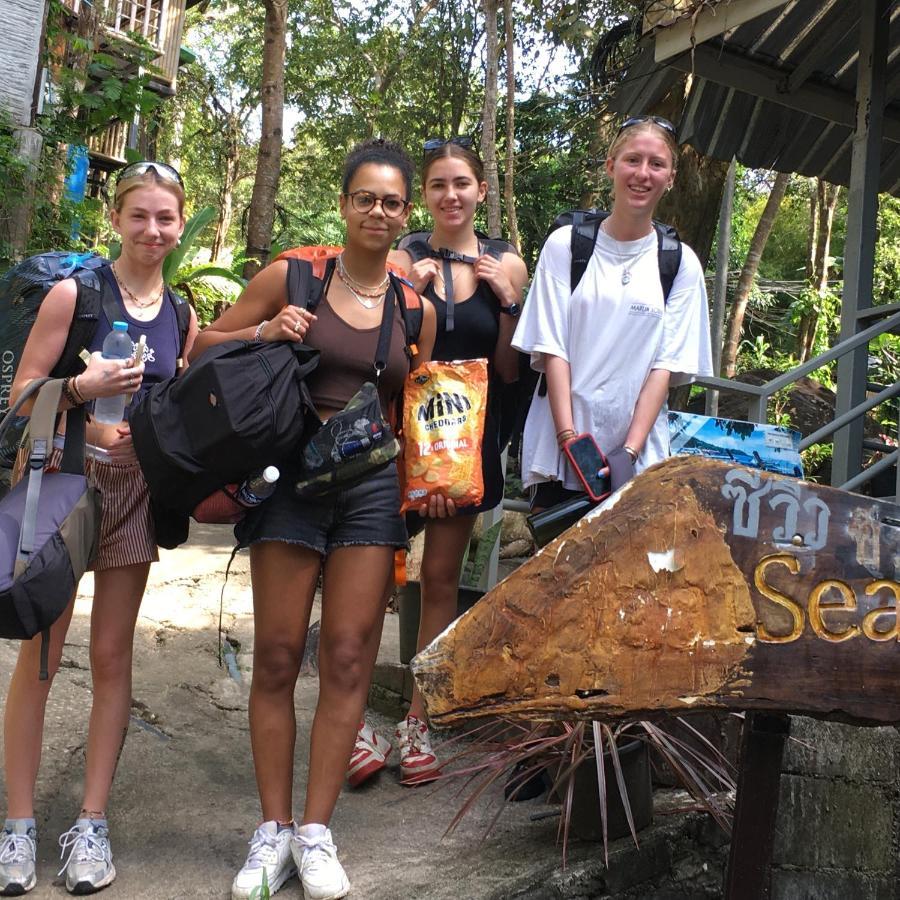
241,406
22,290
585,225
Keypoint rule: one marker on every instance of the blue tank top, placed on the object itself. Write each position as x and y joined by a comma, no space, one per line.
163,339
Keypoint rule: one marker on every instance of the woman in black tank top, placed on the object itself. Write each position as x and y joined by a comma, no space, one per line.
349,536
476,295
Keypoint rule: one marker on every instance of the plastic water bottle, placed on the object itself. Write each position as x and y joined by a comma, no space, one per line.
116,345
258,487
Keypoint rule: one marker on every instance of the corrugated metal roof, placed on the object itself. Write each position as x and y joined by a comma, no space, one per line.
802,55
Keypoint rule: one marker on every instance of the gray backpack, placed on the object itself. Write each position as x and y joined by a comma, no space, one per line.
49,524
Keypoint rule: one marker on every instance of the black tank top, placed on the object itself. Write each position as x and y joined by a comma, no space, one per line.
476,325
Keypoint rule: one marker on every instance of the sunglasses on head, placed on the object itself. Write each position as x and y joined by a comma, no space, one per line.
665,124
163,171
433,144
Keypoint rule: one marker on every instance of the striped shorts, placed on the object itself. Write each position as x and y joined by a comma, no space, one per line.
126,526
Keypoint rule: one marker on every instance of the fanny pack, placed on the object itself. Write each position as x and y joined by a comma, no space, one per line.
358,440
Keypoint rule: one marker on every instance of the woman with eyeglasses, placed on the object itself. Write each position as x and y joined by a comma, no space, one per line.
476,295
349,537
148,214
611,348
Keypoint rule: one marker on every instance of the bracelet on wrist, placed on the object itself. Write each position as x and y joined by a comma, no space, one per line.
258,333
565,435
73,387
631,452
68,393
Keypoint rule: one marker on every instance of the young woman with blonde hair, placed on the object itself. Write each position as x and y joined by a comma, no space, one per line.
148,215
611,348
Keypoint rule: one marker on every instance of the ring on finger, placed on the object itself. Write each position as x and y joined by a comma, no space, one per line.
297,325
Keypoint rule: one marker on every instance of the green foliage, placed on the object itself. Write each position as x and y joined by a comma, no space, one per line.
192,229
114,87
814,458
201,283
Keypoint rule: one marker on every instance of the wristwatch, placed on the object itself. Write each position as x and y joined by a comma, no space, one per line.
512,310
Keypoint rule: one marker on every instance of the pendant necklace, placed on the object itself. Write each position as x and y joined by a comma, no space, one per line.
133,297
627,262
367,296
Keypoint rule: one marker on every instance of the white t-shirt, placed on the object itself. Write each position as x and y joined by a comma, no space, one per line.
612,336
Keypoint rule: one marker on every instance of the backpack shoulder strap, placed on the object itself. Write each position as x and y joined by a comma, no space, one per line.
420,239
300,283
669,254
183,319
496,247
585,226
417,249
410,311
88,303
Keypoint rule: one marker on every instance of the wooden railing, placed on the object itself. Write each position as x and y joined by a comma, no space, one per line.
146,17
111,143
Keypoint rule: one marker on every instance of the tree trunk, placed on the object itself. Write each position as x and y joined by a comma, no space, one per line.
226,201
692,206
748,273
825,203
509,181
268,167
489,118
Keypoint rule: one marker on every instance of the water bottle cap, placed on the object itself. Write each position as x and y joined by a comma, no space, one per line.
120,326
271,474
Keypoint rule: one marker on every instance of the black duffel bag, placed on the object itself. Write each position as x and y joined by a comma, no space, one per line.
242,406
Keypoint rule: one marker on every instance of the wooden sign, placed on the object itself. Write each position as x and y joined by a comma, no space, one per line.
701,585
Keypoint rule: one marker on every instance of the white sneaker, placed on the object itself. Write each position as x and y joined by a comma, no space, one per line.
270,855
322,876
89,866
18,850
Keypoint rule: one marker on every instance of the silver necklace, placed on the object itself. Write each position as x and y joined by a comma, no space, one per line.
366,297
627,262
367,302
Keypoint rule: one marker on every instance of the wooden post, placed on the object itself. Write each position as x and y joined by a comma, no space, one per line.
753,834
862,210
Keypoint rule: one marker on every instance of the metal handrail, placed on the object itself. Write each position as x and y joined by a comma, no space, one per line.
759,394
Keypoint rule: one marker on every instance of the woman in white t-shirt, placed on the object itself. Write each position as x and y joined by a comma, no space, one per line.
611,349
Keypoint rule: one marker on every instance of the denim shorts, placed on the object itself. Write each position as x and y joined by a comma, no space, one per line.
366,514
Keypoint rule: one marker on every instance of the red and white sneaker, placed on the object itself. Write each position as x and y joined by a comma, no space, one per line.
369,756
418,762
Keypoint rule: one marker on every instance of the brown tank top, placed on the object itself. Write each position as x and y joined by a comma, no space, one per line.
347,360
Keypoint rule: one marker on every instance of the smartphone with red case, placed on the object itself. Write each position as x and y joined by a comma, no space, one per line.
587,460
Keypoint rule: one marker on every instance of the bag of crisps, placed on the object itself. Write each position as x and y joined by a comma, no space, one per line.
444,407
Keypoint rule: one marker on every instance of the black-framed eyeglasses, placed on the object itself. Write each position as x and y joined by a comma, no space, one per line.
433,144
665,124
364,201
162,170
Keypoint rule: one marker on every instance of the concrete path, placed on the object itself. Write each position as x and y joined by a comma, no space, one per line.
184,802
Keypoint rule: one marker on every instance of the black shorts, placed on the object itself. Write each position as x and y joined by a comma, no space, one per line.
366,514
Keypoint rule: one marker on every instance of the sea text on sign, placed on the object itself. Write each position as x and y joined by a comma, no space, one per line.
827,598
